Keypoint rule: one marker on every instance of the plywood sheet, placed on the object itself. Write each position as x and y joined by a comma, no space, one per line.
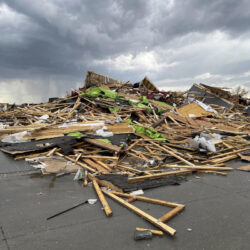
194,110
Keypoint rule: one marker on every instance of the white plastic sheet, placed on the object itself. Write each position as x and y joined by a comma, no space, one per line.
15,138
103,133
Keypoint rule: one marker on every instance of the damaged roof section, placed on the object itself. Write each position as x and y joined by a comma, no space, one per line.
212,95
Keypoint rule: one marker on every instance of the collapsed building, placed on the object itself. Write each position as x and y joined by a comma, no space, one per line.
122,137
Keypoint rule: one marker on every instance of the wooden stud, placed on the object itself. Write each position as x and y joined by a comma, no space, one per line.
172,213
85,182
147,199
132,145
156,176
102,199
102,164
143,214
96,166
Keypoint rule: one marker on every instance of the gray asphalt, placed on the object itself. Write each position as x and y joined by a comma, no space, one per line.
217,212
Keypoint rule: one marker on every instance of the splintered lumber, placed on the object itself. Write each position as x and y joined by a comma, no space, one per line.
133,144
77,103
53,150
102,199
143,214
173,154
103,164
78,157
229,153
95,165
29,155
100,157
85,182
156,232
105,183
156,176
176,207
110,147
77,162
122,167
224,159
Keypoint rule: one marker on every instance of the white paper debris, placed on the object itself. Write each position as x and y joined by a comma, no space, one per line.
137,192
92,201
152,162
39,166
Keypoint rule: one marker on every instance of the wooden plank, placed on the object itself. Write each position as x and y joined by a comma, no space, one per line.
143,214
156,176
201,167
147,199
103,165
102,199
224,159
129,169
31,155
171,214
105,183
110,147
229,153
96,166
100,157
77,163
85,181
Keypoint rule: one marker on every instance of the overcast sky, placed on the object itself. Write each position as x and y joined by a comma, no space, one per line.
47,46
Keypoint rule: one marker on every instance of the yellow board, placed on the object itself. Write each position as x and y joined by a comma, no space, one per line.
194,110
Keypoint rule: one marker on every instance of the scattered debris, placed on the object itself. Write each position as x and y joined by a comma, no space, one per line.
126,137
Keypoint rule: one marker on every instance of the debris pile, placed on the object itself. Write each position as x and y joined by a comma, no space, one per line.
126,137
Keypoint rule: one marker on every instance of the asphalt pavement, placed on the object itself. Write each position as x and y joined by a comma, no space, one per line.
216,215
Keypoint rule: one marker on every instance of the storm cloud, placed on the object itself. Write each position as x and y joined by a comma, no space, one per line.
46,46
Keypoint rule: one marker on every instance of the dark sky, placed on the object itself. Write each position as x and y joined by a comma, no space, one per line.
47,46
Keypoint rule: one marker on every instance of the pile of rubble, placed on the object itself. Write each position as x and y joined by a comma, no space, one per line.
127,137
